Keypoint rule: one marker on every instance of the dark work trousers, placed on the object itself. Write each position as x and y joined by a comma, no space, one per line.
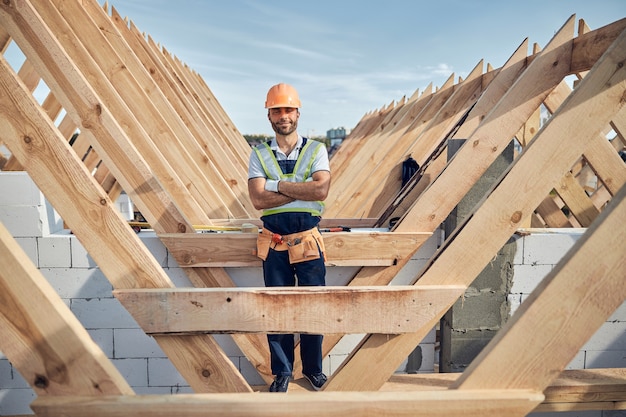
278,272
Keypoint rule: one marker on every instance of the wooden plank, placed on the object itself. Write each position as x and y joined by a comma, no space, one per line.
579,204
589,47
573,390
314,310
451,403
5,40
552,214
42,338
343,248
595,290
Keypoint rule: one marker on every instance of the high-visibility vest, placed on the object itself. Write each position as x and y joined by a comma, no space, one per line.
301,173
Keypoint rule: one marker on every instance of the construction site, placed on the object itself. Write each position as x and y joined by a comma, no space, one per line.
489,284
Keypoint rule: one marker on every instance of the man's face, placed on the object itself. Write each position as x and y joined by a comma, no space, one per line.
284,120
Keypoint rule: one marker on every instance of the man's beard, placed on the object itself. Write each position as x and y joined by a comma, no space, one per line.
285,130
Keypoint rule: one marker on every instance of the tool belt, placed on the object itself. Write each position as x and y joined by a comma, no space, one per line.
302,246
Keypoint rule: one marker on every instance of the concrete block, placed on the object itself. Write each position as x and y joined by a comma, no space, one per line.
610,336
171,262
347,344
479,310
29,246
247,277
428,358
407,363
518,257
80,256
514,300
228,345
24,221
430,246
409,272
421,360
578,362
104,339
326,365
431,337
249,372
467,346
527,276
17,401
156,248
184,389
548,246
102,313
78,282
334,362
178,277
161,372
134,343
605,359
10,377
53,223
54,252
135,371
125,206
153,390
18,190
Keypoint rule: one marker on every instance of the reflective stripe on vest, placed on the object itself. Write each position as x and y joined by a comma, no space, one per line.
301,173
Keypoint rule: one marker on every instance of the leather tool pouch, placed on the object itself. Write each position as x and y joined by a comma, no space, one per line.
303,248
263,242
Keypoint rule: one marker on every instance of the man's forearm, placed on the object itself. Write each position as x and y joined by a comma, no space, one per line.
306,191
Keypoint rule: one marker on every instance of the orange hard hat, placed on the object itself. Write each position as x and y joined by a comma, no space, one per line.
282,95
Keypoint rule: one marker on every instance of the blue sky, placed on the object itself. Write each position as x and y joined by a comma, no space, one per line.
345,57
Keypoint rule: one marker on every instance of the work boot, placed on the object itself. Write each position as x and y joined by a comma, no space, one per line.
280,384
317,380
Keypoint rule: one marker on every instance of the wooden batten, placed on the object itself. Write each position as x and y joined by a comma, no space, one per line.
343,248
483,403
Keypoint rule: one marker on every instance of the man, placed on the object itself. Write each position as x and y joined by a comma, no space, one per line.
288,179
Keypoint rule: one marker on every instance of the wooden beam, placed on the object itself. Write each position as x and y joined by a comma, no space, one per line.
483,403
316,310
573,390
576,199
42,338
587,48
343,248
